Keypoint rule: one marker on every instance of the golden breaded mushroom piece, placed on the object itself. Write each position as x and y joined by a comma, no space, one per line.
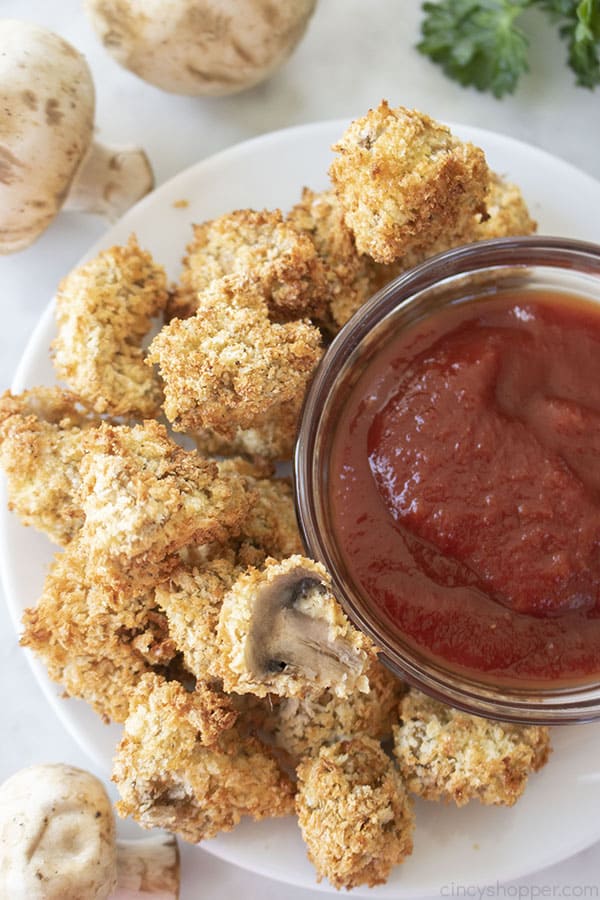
261,244
271,524
506,214
403,180
445,754
351,277
94,641
41,452
104,309
300,727
191,598
354,813
282,631
229,366
270,439
171,774
144,498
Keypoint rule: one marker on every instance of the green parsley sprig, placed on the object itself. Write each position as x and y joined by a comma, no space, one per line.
481,42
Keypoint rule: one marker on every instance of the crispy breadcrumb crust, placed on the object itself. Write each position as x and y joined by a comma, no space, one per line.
506,213
260,244
403,180
144,498
95,641
168,778
191,599
272,439
41,452
229,366
351,278
270,524
354,813
103,311
300,727
445,754
241,625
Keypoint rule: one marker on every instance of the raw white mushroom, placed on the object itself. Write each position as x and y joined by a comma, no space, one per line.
200,46
48,159
57,842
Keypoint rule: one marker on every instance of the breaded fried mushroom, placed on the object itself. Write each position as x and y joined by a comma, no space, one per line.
271,439
168,776
282,631
228,366
445,754
144,497
93,640
506,213
354,813
300,727
103,311
260,244
41,452
191,599
403,180
270,524
351,277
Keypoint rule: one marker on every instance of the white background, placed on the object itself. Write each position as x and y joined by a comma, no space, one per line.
354,53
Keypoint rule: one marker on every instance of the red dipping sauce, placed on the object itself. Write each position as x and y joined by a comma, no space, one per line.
465,487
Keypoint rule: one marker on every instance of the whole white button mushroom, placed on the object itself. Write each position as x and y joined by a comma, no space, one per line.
57,842
48,158
200,46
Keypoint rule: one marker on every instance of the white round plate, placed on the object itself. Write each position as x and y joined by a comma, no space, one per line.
560,812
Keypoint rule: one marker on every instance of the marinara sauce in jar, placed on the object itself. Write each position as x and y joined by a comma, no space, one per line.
451,480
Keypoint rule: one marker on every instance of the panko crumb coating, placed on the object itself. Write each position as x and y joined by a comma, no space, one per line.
168,778
270,524
260,244
445,754
506,213
93,640
354,813
351,278
144,498
103,311
40,451
228,366
282,631
300,727
404,180
191,598
272,439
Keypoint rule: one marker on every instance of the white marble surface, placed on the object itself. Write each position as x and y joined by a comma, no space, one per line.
354,53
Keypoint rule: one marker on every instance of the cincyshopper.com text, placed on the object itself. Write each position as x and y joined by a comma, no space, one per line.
520,891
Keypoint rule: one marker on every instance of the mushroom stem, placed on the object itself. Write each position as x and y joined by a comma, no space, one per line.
149,867
110,180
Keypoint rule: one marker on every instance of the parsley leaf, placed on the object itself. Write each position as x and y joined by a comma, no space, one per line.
477,42
579,22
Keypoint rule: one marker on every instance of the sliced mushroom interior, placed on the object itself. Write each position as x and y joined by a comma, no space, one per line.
291,632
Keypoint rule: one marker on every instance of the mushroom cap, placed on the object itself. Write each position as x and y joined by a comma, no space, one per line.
57,836
200,46
46,123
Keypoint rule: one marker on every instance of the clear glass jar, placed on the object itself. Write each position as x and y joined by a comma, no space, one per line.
466,273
